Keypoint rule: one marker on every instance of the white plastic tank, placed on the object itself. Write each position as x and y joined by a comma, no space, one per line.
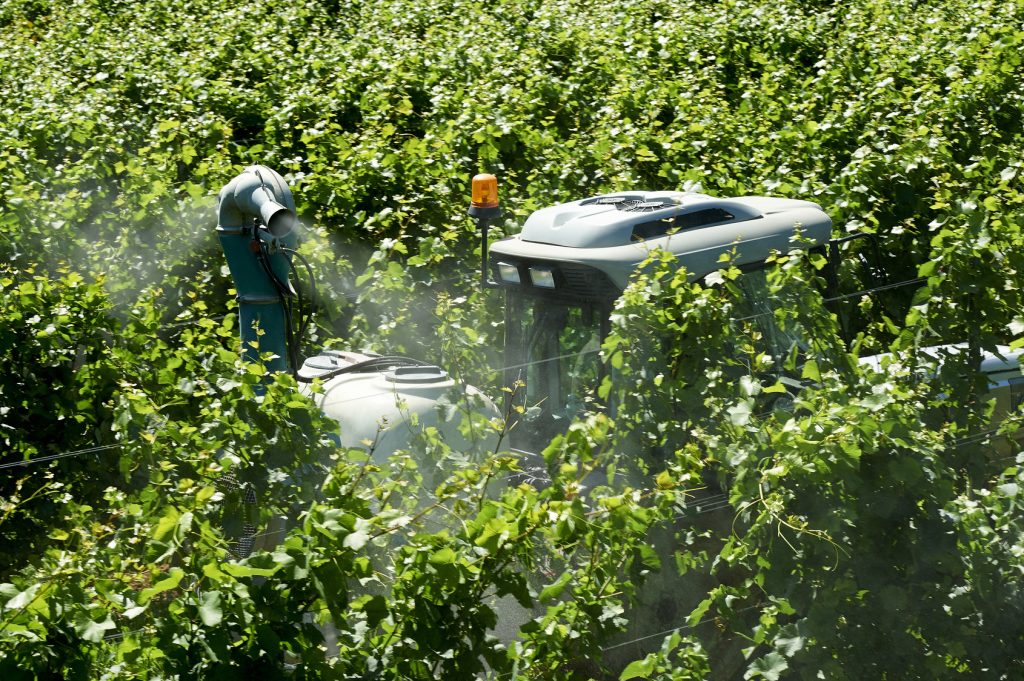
381,403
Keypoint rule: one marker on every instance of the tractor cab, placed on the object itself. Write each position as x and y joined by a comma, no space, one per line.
563,272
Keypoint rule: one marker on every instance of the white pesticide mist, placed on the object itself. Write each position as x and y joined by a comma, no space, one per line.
176,249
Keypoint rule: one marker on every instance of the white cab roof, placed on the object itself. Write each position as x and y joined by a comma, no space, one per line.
616,232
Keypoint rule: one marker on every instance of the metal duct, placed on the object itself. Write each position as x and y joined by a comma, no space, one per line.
255,208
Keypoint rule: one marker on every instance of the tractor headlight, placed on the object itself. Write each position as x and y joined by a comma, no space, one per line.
542,277
509,273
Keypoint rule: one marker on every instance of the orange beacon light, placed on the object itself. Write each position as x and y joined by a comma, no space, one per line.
484,207
485,192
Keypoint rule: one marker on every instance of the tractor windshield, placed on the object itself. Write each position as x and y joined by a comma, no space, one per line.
552,359
553,366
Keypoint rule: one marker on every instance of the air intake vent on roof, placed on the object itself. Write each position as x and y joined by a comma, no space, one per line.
645,206
612,200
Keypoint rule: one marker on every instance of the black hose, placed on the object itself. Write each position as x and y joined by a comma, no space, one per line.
371,365
283,291
304,322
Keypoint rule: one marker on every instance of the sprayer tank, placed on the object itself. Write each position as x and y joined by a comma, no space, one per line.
383,410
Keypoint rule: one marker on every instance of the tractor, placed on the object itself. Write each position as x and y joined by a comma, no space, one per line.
560,275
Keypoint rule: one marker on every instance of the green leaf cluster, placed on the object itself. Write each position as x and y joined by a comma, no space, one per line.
869,506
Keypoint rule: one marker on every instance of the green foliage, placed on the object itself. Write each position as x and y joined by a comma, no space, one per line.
872,508
850,531
54,392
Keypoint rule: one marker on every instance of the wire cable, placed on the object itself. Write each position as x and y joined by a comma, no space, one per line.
877,289
847,296
54,457
681,627
377,363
